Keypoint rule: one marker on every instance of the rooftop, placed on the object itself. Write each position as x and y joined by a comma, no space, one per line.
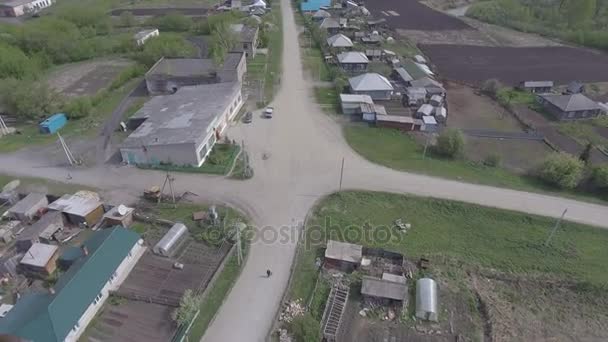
184,117
143,34
414,69
330,23
79,204
51,221
404,75
182,67
571,103
354,98
426,82
339,40
344,251
538,84
14,3
321,14
29,201
42,316
370,82
246,33
39,254
383,288
352,57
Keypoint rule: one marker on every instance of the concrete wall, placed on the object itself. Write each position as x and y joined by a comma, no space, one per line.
122,271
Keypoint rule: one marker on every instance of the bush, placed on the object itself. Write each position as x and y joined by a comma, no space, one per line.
128,74
492,160
600,177
305,329
491,87
173,22
28,99
79,108
562,170
450,143
165,45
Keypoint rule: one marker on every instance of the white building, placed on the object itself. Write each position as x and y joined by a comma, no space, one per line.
182,128
64,311
142,36
17,8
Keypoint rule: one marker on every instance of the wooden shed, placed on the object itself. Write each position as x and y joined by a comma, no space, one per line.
343,256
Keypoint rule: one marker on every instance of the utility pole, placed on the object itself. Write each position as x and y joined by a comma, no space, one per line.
557,224
3,128
239,252
426,145
341,174
168,179
67,151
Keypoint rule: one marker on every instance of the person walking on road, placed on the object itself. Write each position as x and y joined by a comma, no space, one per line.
268,273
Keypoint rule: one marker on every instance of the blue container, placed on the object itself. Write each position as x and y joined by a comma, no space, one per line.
53,124
314,5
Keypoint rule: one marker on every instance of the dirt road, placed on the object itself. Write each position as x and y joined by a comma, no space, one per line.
306,148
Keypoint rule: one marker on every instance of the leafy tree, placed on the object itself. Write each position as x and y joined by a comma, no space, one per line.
492,160
586,154
450,143
174,22
223,40
127,19
188,306
90,19
27,99
579,12
165,45
14,63
600,177
79,108
305,328
491,87
562,170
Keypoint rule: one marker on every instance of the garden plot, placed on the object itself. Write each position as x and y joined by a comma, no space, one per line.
413,15
86,78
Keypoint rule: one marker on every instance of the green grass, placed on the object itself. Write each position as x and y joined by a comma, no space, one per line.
218,162
478,236
53,187
400,151
583,132
314,62
327,98
85,127
514,96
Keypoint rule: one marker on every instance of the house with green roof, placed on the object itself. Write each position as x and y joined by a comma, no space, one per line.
62,313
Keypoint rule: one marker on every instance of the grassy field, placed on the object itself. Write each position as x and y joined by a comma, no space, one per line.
57,188
327,98
400,151
86,127
504,240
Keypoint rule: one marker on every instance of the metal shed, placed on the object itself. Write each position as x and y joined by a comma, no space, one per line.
53,124
28,207
427,299
170,241
383,288
343,255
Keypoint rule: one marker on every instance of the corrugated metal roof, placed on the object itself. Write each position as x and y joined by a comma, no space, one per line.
382,288
405,76
352,57
370,82
344,251
76,205
28,202
339,40
39,254
571,103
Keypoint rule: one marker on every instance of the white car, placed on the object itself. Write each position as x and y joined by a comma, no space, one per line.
268,112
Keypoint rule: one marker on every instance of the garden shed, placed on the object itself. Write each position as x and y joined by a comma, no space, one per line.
53,124
171,241
427,299
29,207
343,255
84,207
384,289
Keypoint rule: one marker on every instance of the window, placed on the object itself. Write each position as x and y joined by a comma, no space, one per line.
97,299
203,152
570,114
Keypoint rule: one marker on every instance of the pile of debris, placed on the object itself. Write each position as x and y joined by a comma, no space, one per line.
284,336
292,310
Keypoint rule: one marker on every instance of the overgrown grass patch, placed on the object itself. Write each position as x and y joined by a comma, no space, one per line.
218,162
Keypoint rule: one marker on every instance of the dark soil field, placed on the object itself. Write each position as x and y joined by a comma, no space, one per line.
412,15
475,64
193,12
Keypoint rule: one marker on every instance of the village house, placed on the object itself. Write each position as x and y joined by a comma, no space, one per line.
375,85
182,128
17,8
170,74
331,25
353,61
142,36
320,15
247,39
339,41
63,312
536,87
570,107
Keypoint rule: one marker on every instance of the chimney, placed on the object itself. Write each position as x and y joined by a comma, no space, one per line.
51,290
85,250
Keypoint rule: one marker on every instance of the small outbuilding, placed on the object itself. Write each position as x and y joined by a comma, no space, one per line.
82,208
29,207
427,305
351,103
441,114
39,261
400,122
43,230
432,87
142,36
53,123
169,243
429,124
383,289
343,255
436,100
415,97
536,87
575,87
118,216
424,110
321,14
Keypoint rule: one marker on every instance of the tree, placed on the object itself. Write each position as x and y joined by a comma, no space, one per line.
14,63
223,40
580,12
165,45
586,154
562,170
492,160
127,19
450,143
189,304
491,87
600,177
27,99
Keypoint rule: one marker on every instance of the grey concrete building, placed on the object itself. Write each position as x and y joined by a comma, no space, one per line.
248,39
181,128
170,74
